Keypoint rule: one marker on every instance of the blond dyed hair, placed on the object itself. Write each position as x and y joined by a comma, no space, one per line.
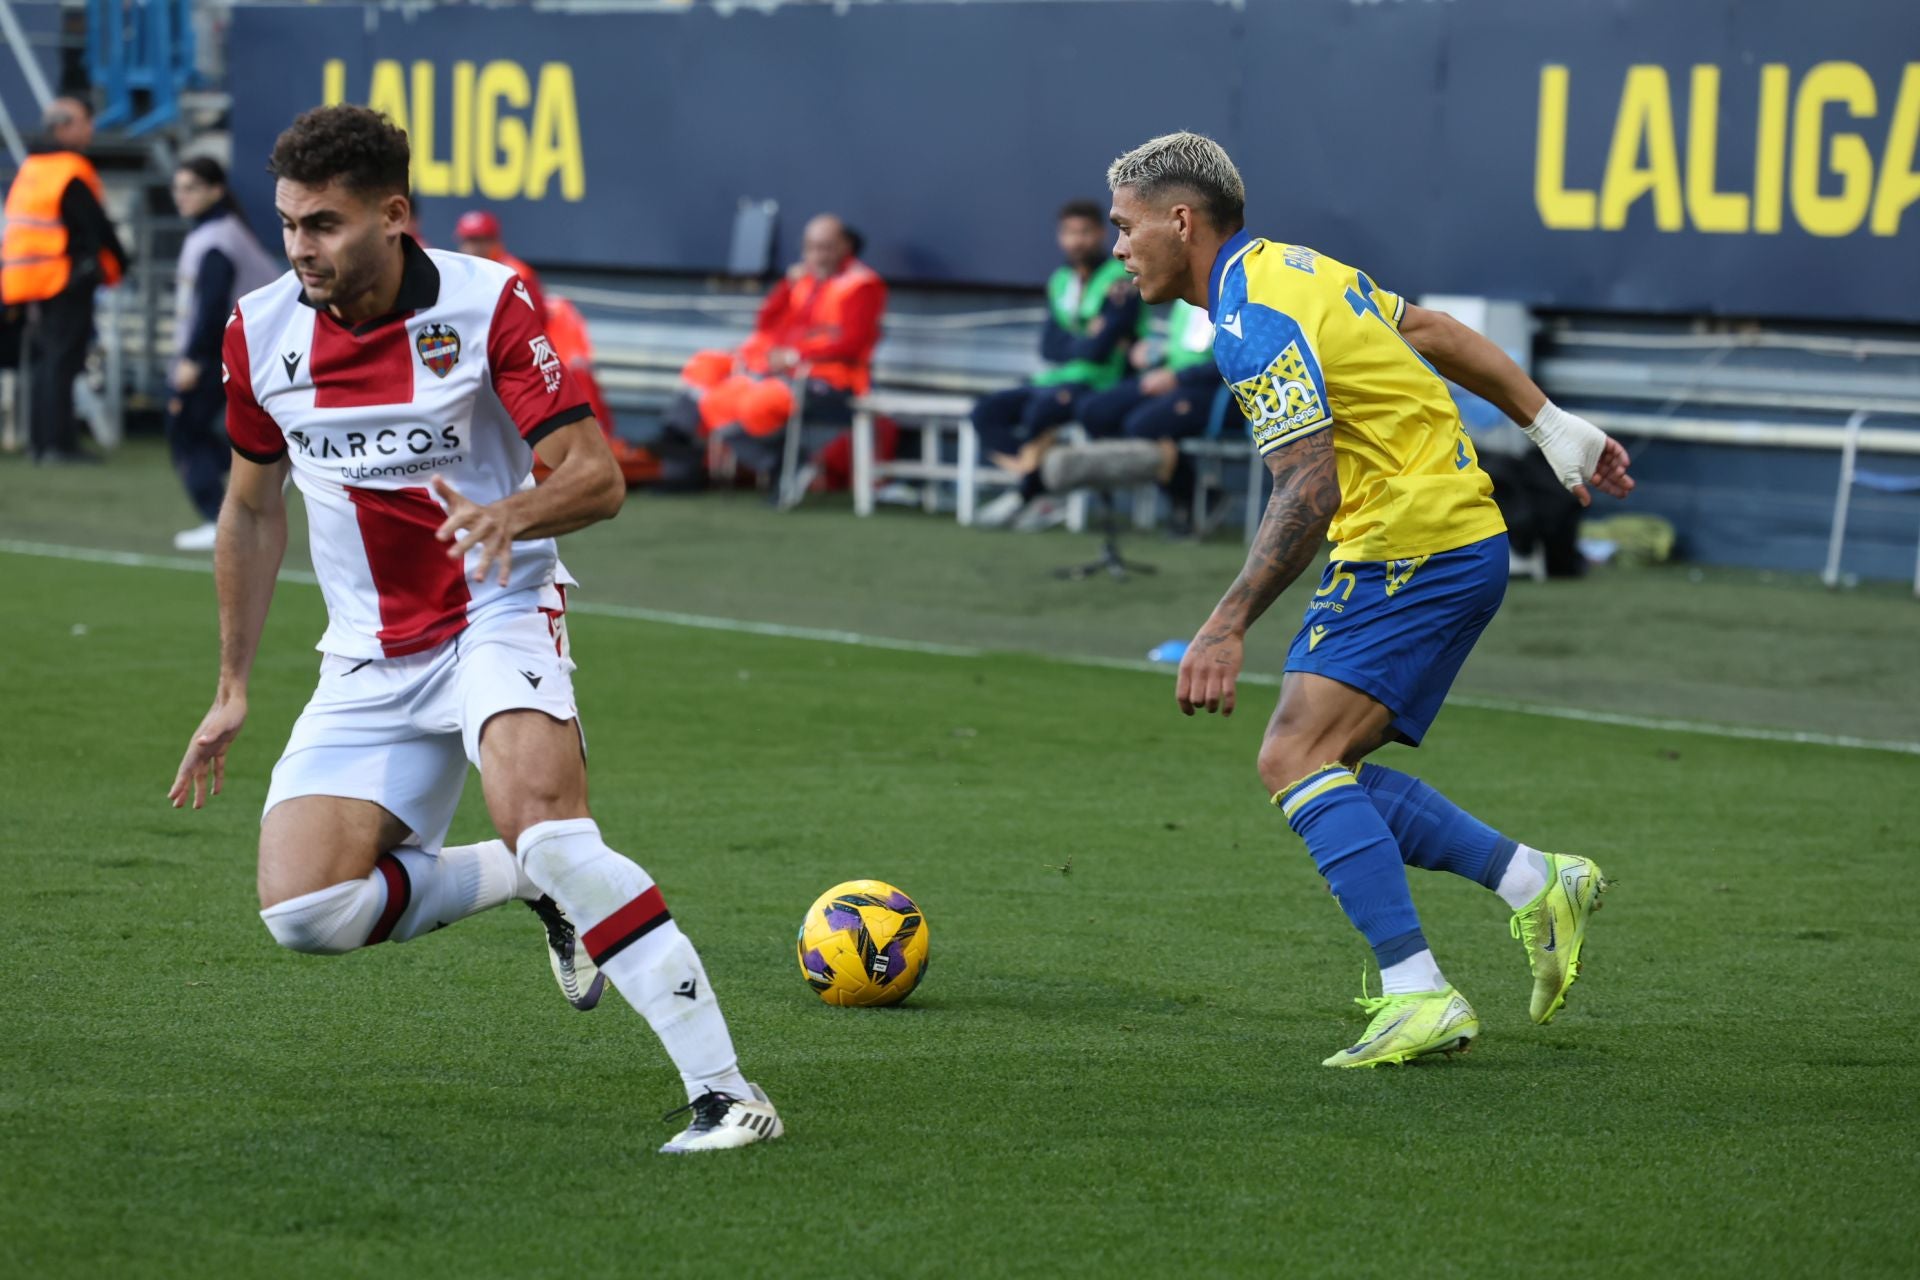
1187,160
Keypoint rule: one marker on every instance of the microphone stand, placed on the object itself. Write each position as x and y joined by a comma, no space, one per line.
1111,562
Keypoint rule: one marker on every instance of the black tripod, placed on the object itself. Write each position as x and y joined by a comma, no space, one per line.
1111,562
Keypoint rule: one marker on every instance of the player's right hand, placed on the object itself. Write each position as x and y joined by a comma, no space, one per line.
1209,672
206,758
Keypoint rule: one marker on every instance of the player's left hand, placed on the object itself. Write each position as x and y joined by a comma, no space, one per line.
1580,453
1610,473
1209,672
470,525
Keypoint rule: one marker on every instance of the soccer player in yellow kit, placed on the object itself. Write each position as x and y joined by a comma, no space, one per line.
1341,383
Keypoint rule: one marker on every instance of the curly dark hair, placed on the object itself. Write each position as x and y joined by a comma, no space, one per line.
361,149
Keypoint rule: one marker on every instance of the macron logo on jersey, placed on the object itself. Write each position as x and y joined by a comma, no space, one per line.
1232,324
520,292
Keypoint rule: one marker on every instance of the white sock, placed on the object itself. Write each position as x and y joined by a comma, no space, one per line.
625,927
1524,878
410,892
1418,972
454,884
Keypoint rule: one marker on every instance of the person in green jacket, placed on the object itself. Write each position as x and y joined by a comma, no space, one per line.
1171,401
1093,317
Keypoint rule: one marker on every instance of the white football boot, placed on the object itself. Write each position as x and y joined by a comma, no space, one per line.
580,979
721,1120
1000,512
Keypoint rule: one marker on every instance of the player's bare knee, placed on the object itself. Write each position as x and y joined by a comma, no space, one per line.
533,807
1285,760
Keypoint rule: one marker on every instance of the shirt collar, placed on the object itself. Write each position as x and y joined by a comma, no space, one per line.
1216,278
419,286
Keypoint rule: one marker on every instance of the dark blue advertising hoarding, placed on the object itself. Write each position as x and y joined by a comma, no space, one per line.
1753,158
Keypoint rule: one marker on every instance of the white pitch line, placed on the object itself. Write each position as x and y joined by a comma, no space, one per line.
184,564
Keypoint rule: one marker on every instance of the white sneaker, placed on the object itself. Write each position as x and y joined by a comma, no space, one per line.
996,514
198,538
1041,513
721,1120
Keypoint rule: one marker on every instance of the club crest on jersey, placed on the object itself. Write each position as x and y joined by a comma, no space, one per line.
439,347
1281,398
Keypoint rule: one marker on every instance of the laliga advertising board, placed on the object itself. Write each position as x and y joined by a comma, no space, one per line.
1757,159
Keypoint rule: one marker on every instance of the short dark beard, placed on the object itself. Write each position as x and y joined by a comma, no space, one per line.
353,287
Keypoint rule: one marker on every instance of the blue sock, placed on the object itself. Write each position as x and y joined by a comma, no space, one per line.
1354,849
1432,831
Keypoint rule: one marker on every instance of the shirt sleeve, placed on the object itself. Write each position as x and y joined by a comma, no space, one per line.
1119,324
1286,399
540,394
212,303
773,311
89,230
1390,304
252,431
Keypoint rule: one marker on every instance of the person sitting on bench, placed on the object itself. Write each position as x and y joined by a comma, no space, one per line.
1093,317
823,317
1168,403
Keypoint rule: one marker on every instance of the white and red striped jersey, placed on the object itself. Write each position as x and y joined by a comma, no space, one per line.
458,381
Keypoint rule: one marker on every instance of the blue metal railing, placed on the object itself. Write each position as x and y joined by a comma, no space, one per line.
140,47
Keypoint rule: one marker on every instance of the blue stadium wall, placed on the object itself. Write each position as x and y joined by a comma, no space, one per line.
1744,157
1714,157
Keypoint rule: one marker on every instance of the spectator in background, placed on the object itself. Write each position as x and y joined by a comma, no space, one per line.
220,262
1167,403
59,246
1093,317
478,234
821,322
567,330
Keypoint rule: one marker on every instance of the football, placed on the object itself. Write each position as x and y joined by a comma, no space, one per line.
863,943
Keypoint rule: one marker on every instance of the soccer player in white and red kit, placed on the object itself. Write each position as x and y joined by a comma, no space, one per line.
408,391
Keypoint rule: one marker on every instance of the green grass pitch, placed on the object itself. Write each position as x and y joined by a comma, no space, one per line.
1110,1071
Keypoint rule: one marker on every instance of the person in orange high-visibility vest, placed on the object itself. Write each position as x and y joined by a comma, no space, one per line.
567,330
59,246
478,233
822,319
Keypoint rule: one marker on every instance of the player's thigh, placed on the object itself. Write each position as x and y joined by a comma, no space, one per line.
520,723
532,769
310,842
1319,721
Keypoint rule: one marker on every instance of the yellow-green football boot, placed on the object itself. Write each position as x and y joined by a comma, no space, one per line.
1553,927
1403,1027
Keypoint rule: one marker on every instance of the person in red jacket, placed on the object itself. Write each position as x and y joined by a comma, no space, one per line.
478,234
821,323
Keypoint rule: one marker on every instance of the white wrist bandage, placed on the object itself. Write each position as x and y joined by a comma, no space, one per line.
1572,444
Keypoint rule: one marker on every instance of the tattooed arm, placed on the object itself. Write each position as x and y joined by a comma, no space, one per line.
1306,493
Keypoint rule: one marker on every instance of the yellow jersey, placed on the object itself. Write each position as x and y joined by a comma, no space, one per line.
1309,344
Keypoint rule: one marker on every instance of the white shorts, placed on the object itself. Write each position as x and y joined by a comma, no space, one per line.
400,731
